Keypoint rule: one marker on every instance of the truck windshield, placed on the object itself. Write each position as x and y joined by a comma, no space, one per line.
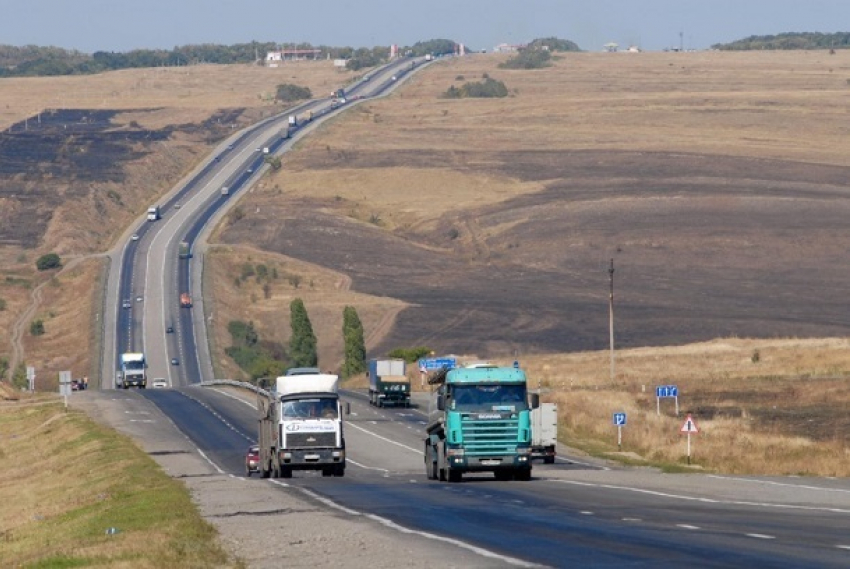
318,408
134,365
487,398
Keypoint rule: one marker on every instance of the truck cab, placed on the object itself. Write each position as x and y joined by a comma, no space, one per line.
154,213
301,425
479,421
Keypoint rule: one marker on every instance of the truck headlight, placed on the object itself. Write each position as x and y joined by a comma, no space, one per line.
458,452
523,451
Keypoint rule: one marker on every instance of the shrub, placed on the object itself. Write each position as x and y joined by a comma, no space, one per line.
410,355
37,328
48,261
289,93
2,304
528,59
488,88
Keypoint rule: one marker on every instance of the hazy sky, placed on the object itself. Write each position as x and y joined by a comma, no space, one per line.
122,25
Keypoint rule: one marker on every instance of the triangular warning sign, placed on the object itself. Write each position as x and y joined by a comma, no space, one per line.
689,426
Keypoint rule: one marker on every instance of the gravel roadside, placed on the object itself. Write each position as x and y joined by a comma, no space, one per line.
266,523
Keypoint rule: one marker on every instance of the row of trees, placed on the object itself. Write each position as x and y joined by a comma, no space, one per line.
31,61
261,358
790,40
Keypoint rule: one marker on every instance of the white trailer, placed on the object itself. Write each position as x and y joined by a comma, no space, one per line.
301,426
154,213
133,370
544,432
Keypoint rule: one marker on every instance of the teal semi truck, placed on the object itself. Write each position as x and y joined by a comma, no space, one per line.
479,421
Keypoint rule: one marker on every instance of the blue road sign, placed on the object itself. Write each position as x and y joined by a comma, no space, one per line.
516,364
666,391
619,419
433,364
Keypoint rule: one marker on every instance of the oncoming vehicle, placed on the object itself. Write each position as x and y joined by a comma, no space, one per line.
159,383
252,460
175,362
135,237
127,304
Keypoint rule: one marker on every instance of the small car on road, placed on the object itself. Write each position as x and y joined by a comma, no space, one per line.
135,237
127,304
252,460
159,383
175,362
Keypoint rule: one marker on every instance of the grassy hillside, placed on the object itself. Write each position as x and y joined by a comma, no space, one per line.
65,481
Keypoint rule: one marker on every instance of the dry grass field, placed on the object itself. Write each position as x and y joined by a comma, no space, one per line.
716,181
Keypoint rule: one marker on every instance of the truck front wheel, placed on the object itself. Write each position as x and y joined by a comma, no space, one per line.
430,463
286,472
523,475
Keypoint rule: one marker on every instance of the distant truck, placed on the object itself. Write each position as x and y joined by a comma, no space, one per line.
479,421
293,120
132,372
154,213
388,383
185,300
544,432
301,425
428,57
184,252
225,191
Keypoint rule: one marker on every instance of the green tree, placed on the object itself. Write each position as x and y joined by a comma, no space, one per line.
302,345
2,304
355,345
4,368
19,377
528,59
48,261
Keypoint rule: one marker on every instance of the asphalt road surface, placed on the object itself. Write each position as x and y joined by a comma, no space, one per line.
570,514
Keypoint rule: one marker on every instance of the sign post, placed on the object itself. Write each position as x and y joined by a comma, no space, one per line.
65,385
663,391
619,422
689,427
31,377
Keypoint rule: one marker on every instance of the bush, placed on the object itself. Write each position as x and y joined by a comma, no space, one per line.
482,89
410,355
528,59
48,261
37,328
289,93
2,304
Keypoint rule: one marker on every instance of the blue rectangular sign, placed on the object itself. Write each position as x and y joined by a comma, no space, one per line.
433,364
666,391
619,419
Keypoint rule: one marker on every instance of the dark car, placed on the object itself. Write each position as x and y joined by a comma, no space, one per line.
252,460
169,330
175,362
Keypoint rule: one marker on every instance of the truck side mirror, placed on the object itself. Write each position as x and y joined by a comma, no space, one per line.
535,400
347,408
441,403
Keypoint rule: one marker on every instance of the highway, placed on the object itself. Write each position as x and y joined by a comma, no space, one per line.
571,514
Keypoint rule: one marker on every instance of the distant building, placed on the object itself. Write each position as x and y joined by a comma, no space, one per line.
508,48
275,57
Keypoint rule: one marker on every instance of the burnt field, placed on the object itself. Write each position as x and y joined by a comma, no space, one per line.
704,247
81,159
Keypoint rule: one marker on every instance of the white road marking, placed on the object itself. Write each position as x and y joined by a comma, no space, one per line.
760,536
586,513
214,465
773,483
359,428
573,461
687,526
368,467
632,520
843,546
704,500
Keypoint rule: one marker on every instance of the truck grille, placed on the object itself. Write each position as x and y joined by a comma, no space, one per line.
310,440
489,438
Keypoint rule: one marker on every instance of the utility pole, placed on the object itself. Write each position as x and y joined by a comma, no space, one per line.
611,316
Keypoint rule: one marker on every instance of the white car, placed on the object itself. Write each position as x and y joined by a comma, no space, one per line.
135,237
159,383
